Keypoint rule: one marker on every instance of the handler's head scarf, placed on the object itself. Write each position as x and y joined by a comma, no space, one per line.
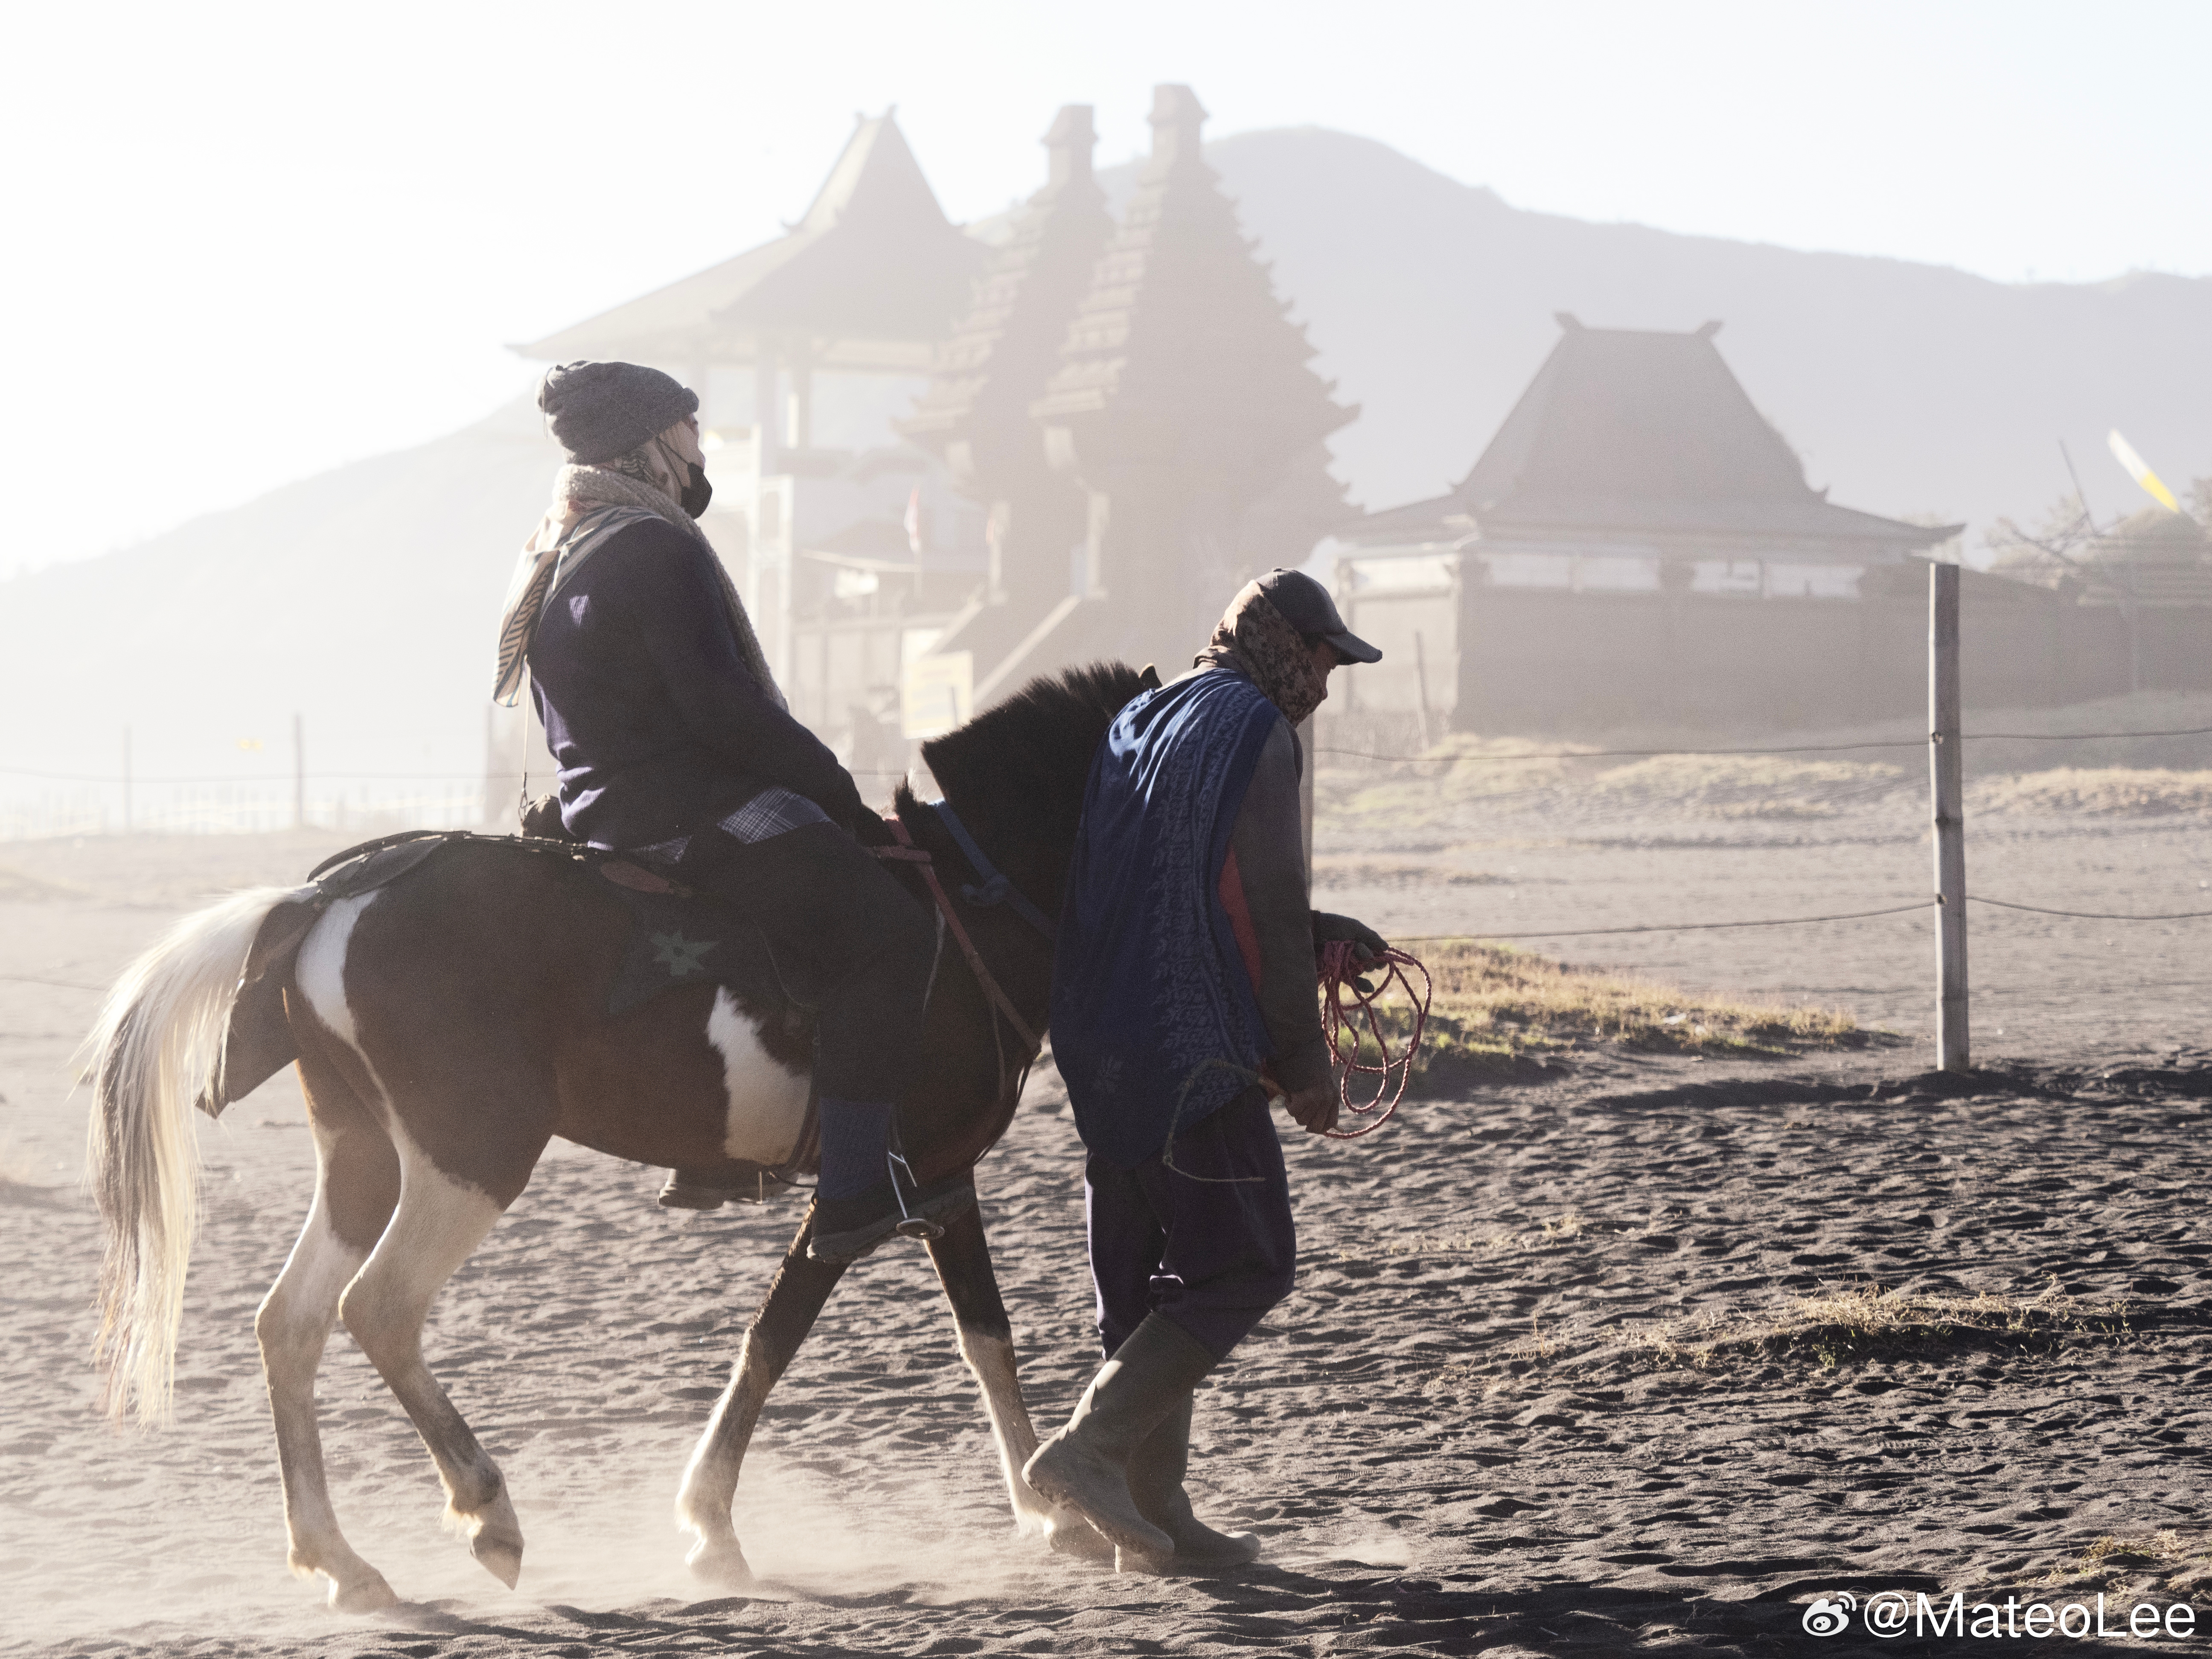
1252,635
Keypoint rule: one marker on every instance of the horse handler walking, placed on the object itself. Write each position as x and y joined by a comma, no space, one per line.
1185,968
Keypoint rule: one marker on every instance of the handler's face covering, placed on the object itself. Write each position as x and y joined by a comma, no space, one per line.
1274,653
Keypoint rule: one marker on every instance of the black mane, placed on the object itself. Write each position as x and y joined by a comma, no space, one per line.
1032,753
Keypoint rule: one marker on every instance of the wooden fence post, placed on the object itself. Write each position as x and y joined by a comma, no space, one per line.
1947,779
1421,687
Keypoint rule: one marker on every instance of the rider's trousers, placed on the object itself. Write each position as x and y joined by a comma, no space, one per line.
850,945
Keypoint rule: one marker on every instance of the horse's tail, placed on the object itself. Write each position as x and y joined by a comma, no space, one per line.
157,1052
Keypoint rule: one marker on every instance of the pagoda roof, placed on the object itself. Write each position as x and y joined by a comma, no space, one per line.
1626,433
1181,345
1002,354
870,279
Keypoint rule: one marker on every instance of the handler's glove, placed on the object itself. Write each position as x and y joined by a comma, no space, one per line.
1367,944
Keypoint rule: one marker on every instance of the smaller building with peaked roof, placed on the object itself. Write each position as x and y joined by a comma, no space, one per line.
1594,564
1642,449
868,280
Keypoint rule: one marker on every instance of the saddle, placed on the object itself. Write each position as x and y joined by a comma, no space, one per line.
677,936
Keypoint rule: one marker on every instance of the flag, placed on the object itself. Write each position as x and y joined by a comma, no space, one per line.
2139,469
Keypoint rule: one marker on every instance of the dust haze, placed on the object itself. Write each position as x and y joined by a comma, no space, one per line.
1011,360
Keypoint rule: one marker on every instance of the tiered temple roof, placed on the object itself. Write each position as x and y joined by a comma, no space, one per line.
1002,354
1181,349
1184,407
869,280
1648,437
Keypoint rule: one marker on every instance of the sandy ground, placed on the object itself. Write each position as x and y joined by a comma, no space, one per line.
1480,1424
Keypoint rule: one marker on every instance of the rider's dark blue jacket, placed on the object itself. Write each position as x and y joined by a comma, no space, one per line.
656,723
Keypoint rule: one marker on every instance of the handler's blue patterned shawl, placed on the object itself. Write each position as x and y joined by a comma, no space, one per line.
1147,981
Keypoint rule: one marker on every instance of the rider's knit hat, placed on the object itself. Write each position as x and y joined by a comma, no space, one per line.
600,410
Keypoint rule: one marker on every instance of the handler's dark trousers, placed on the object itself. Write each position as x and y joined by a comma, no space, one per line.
850,945
1211,1257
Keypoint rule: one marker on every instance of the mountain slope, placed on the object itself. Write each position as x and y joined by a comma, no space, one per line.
1906,388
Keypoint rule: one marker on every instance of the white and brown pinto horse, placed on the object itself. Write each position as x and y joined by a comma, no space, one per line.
446,1026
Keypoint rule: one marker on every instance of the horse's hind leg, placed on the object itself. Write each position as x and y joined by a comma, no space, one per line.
356,1184
963,1257
710,1482
439,1222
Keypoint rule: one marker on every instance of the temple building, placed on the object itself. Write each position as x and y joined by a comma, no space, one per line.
975,414
1176,411
1636,541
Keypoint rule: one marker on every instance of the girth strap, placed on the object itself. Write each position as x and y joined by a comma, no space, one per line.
907,853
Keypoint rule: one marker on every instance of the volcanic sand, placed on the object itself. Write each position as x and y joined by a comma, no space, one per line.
1536,1391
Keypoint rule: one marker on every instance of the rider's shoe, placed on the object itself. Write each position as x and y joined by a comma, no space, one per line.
696,1190
847,1229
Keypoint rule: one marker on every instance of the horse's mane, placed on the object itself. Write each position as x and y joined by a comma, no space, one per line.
1032,753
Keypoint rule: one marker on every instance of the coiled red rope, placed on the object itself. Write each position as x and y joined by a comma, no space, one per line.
1350,992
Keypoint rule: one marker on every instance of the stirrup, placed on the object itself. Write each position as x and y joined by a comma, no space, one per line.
910,1225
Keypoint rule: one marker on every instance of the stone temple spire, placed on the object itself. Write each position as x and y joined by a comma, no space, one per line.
995,364
1183,402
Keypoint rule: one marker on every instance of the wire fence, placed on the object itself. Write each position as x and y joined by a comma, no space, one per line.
1452,759
1446,762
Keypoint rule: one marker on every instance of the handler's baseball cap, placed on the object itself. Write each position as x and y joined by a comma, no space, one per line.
1306,605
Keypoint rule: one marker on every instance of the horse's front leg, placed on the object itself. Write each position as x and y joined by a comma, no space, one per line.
710,1482
963,1257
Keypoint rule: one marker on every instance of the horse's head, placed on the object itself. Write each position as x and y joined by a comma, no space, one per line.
1016,773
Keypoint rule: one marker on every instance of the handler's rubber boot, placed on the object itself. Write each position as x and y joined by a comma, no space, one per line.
1155,1476
1086,1465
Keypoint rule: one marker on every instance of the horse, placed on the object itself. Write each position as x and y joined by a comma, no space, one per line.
448,1025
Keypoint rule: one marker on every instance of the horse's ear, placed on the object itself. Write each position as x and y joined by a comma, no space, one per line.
1149,679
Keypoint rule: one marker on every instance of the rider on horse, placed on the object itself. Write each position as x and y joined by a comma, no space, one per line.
1185,970
675,745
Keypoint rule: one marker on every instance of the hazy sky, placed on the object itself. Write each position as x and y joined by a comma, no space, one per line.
249,242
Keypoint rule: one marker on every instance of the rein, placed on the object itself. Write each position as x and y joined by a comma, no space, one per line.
907,853
996,888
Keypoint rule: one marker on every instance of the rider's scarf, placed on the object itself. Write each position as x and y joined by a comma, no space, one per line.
590,504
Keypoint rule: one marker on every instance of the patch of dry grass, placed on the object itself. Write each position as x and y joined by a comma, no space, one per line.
2121,791
1840,1324
1464,769
1497,1006
1746,785
1460,768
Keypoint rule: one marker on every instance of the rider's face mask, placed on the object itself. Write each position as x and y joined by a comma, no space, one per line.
697,493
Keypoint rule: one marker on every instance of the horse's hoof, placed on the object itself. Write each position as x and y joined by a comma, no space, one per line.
1077,1538
721,1563
502,1556
369,1594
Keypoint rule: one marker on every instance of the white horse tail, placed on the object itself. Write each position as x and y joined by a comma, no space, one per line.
156,1052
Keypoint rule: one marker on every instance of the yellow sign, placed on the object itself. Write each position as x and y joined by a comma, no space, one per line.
937,694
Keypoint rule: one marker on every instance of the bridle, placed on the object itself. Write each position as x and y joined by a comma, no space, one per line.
993,888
